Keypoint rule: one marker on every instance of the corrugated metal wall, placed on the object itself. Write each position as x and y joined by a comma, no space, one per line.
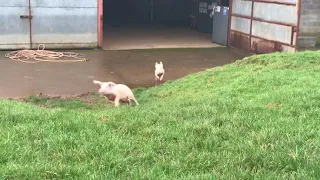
264,27
14,32
65,23
57,24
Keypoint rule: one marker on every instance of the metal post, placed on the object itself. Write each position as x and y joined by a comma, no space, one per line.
250,37
298,6
30,21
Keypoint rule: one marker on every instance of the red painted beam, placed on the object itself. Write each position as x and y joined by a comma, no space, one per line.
100,23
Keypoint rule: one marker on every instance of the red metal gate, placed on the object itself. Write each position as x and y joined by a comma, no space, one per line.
264,26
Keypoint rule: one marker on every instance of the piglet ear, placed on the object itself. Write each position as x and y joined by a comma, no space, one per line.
97,82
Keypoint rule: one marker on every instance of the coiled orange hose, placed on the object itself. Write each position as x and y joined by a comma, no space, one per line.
41,55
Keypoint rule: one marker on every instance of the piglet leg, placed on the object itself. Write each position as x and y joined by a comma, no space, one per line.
155,81
108,100
135,101
117,101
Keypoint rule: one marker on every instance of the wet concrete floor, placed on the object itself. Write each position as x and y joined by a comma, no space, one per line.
154,36
132,67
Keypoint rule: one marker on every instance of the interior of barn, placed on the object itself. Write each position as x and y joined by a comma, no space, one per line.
144,24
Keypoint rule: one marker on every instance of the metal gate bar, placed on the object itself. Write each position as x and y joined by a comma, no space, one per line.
29,17
30,23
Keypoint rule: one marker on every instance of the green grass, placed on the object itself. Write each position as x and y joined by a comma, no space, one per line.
258,118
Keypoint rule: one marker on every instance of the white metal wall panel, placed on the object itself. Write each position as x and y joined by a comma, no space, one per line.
14,31
275,12
272,31
241,7
65,24
65,3
14,3
283,1
240,24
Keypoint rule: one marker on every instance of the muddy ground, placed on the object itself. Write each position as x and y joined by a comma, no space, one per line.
132,67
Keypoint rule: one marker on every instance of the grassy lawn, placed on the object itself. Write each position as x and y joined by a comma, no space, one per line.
258,118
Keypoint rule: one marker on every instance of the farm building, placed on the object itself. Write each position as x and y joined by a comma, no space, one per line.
259,26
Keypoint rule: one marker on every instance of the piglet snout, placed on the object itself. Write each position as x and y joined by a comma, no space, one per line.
100,91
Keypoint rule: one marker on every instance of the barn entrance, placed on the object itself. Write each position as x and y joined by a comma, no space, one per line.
145,24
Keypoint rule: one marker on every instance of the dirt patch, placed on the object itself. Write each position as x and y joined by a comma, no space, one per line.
77,101
85,97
